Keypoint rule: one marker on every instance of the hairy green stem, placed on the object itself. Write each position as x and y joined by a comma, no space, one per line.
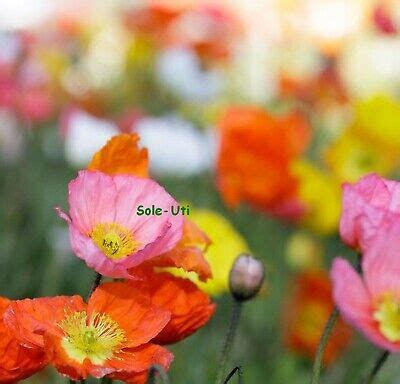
230,337
378,365
322,344
96,282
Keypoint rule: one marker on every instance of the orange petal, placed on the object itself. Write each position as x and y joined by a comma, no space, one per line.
188,254
190,307
28,319
128,363
133,363
134,312
121,155
16,362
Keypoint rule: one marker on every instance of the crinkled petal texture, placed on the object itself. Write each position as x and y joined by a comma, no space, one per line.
368,205
359,298
17,362
188,254
248,136
97,199
121,155
190,307
109,335
29,319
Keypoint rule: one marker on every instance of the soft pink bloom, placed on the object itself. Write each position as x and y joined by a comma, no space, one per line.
372,303
369,204
105,229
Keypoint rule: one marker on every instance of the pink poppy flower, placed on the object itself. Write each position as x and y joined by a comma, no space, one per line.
372,303
105,229
368,205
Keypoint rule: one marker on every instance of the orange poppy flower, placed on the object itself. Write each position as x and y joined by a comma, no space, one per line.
255,154
17,362
305,316
188,254
109,334
190,308
121,155
152,21
325,89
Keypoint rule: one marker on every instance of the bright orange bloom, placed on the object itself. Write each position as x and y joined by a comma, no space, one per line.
121,155
254,160
108,335
188,254
17,362
305,316
153,20
190,307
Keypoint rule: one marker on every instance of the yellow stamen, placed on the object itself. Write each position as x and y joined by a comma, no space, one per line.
114,240
388,316
96,338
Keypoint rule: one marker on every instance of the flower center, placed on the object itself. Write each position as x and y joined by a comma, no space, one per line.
114,240
97,338
388,316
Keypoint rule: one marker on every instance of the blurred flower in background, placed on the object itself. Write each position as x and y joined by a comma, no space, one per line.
255,153
305,313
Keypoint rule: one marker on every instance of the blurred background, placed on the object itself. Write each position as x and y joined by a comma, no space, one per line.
254,113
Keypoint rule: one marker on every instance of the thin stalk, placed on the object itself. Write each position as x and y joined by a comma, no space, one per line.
232,373
154,369
229,339
322,344
96,282
378,365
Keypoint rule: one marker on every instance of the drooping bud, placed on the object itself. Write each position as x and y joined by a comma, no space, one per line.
246,277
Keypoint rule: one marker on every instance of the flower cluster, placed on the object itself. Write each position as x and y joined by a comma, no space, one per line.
121,330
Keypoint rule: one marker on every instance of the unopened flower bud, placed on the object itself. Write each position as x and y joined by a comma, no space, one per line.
246,277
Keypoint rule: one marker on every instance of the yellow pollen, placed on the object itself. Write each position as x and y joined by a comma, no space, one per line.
114,240
96,338
388,316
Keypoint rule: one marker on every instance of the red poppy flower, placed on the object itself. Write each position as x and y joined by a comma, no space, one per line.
190,308
17,362
305,316
108,335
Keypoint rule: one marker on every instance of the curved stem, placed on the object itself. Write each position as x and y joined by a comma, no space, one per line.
232,373
378,365
230,336
322,344
154,369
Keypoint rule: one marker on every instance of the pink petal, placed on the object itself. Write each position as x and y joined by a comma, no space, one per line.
354,303
133,192
381,262
91,199
85,249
